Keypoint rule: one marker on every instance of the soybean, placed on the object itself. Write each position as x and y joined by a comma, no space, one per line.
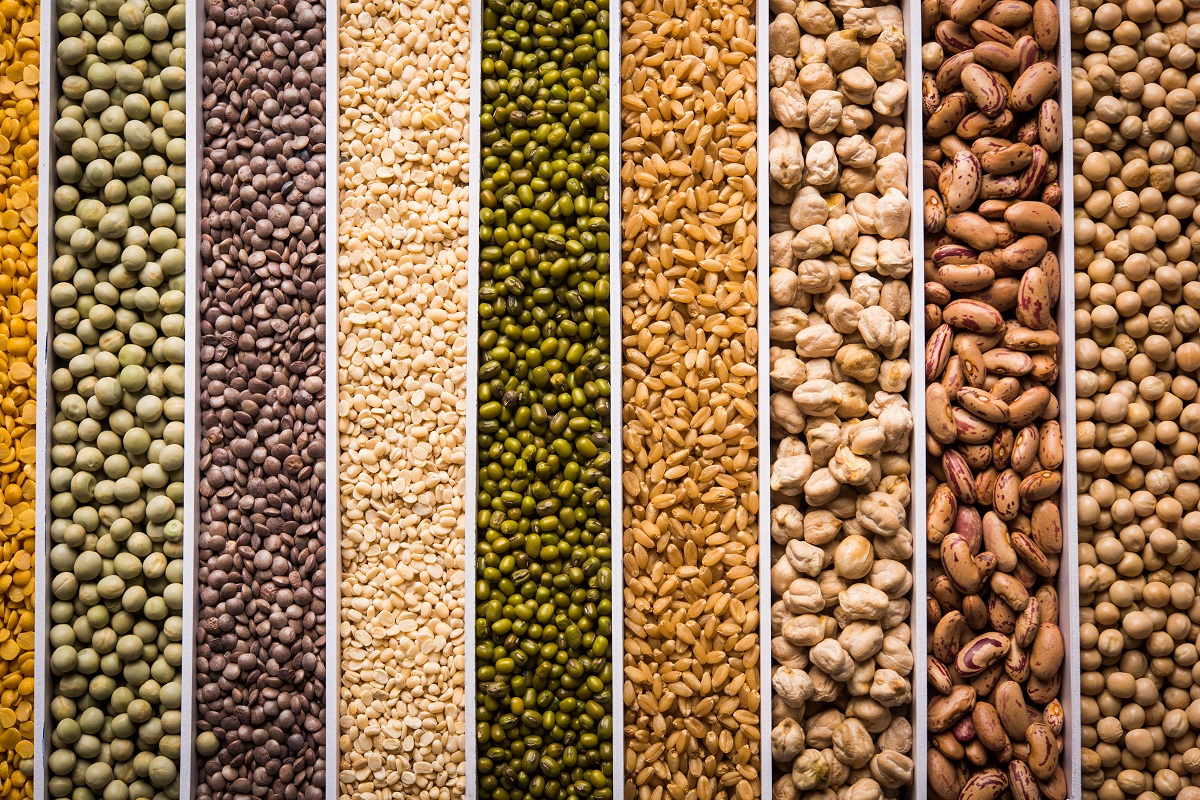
19,36
544,537
116,474
1136,133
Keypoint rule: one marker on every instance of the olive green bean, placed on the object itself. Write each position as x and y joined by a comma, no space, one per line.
116,462
544,549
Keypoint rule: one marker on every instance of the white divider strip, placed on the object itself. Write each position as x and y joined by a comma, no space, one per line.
47,180
333,516
188,769
471,443
919,614
1068,570
616,398
762,22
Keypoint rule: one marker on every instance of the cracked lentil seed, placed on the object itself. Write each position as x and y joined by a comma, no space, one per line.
690,384
19,37
402,264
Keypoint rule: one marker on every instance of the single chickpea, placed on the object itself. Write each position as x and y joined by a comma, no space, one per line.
932,56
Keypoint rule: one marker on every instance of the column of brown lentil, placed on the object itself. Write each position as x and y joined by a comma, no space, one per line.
690,389
1137,290
19,38
260,648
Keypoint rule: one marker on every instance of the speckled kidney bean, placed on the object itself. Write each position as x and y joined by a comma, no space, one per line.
992,198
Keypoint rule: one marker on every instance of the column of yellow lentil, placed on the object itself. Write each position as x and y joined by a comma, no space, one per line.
18,405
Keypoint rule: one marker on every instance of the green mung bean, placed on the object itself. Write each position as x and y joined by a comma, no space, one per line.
544,548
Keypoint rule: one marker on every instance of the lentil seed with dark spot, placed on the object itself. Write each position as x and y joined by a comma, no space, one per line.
260,647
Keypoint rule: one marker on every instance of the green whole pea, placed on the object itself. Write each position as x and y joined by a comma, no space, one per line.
544,529
117,302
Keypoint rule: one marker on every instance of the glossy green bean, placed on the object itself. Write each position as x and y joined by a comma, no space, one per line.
544,537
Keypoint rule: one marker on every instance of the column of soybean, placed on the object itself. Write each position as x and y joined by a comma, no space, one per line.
260,647
1137,351
116,472
544,667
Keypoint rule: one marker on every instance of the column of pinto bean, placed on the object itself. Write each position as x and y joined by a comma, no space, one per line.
260,647
993,131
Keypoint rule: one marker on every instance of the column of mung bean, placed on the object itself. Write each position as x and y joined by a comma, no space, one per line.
544,669
992,196
260,647
1137,239
116,474
19,36
690,391
402,273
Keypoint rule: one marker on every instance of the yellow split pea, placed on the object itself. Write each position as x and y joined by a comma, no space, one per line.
19,75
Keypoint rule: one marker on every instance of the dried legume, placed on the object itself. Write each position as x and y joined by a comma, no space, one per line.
402,270
690,387
1137,353
840,476
19,36
260,648
993,131
116,477
544,538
